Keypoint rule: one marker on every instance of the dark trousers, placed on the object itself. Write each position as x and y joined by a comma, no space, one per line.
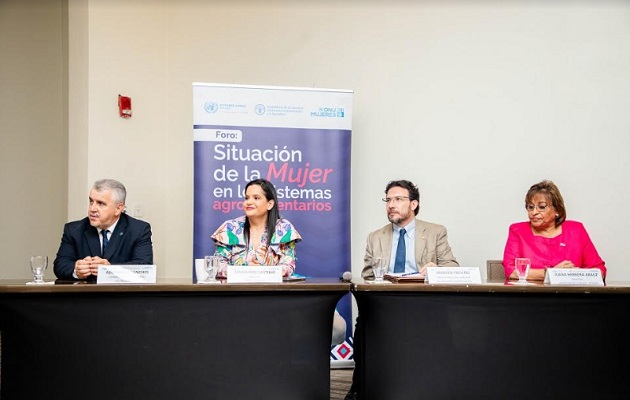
358,353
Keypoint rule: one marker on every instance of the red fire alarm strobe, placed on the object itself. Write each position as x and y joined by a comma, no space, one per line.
124,106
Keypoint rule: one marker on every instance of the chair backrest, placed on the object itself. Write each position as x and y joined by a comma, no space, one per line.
494,270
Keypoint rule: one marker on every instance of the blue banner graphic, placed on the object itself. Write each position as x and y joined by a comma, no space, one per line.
298,139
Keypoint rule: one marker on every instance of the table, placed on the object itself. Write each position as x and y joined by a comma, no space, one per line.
166,341
494,341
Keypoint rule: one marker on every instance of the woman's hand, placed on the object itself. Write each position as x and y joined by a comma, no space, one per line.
565,264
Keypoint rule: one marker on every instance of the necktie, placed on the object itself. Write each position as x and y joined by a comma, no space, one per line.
399,264
105,240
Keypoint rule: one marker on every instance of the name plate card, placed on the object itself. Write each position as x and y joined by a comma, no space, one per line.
453,275
254,274
123,274
574,276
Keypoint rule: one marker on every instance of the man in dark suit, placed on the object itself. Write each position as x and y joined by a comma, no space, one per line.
106,236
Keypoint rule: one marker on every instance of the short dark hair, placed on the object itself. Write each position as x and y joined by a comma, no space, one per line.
414,193
273,215
551,191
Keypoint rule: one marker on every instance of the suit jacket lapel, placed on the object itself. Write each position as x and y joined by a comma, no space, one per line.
385,241
93,241
420,243
116,237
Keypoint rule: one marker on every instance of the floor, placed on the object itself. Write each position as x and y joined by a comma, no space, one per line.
340,380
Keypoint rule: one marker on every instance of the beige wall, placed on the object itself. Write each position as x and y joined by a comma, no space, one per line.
472,100
33,139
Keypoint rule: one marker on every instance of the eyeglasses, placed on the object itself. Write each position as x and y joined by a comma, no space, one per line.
395,200
539,207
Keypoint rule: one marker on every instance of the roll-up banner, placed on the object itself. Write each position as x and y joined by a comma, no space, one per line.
300,140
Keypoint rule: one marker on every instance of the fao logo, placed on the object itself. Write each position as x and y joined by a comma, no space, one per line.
259,109
211,107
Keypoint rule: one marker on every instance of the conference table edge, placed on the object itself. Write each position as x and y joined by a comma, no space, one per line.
315,285
360,285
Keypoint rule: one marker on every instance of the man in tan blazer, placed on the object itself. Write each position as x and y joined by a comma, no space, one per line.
406,245
426,243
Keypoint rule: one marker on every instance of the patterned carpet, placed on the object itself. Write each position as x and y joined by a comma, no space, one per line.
340,380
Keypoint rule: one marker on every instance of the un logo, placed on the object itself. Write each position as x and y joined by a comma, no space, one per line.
211,107
259,109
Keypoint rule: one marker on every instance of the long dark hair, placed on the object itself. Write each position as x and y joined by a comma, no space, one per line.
273,215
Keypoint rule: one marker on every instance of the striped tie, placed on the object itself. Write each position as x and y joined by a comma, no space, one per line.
105,240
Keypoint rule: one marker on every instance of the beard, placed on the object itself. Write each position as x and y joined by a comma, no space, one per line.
402,215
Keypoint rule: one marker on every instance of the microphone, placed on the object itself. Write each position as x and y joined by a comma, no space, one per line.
346,276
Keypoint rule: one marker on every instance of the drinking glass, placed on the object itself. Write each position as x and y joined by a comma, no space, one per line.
522,269
211,265
378,269
38,267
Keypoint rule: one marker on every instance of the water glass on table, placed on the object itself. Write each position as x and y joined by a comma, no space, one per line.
38,267
378,269
211,265
521,266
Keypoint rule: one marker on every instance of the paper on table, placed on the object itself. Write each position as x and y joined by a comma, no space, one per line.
205,282
43,283
294,278
383,282
404,277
